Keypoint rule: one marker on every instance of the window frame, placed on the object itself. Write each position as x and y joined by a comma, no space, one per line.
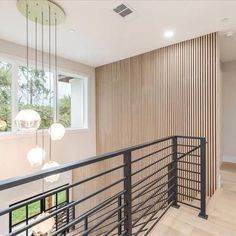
42,206
16,62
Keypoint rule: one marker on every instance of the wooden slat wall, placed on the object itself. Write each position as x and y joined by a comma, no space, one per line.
172,90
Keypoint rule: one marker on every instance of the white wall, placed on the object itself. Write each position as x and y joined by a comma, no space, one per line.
76,145
229,112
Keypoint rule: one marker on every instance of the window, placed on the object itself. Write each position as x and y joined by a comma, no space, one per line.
5,96
72,101
36,92
20,89
23,215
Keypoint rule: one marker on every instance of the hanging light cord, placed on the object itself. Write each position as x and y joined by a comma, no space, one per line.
27,49
36,63
43,73
56,72
50,82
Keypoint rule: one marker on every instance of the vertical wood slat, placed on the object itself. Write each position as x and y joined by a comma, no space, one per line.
172,90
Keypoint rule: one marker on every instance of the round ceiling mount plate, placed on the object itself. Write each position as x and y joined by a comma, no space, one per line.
41,10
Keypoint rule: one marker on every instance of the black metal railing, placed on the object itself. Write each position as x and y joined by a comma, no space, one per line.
125,192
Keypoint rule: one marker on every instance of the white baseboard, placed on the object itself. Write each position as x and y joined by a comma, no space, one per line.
229,158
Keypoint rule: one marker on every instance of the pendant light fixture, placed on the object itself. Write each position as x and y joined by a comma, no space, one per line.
37,155
51,178
57,130
27,119
50,163
47,13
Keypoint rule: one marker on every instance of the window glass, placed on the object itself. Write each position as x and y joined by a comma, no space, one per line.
72,101
18,215
34,209
5,96
61,197
34,92
64,96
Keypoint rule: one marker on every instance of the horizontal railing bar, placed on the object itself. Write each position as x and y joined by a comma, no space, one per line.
95,213
150,154
158,219
161,185
153,181
18,231
42,196
190,163
90,221
192,180
193,189
112,229
16,181
155,162
185,145
187,204
149,198
154,215
188,137
86,232
194,155
103,226
189,171
150,205
187,196
95,209
149,208
147,177
189,152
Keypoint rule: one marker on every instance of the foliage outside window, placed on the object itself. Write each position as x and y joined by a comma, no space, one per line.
35,92
23,215
36,89
5,96
64,89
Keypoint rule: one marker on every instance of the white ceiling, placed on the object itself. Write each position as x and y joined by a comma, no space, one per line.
102,37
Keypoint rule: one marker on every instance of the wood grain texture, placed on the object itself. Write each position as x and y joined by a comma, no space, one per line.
172,90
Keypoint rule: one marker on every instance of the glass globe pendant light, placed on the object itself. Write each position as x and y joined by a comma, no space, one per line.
56,130
36,156
51,178
27,119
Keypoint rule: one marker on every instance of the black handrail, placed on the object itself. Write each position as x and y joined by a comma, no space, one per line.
149,189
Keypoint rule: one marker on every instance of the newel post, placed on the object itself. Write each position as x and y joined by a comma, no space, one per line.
202,213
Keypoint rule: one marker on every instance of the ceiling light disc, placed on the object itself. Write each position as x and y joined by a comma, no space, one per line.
37,7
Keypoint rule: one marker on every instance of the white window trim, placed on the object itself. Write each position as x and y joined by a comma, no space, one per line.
16,62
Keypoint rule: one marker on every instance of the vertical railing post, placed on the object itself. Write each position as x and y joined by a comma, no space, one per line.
86,224
174,166
127,194
202,213
119,215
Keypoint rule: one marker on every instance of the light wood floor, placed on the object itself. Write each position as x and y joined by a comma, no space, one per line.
221,211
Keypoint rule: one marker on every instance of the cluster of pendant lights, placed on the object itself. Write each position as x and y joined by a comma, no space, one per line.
41,12
28,119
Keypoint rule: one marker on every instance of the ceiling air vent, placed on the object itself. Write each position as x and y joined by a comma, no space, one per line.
122,10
